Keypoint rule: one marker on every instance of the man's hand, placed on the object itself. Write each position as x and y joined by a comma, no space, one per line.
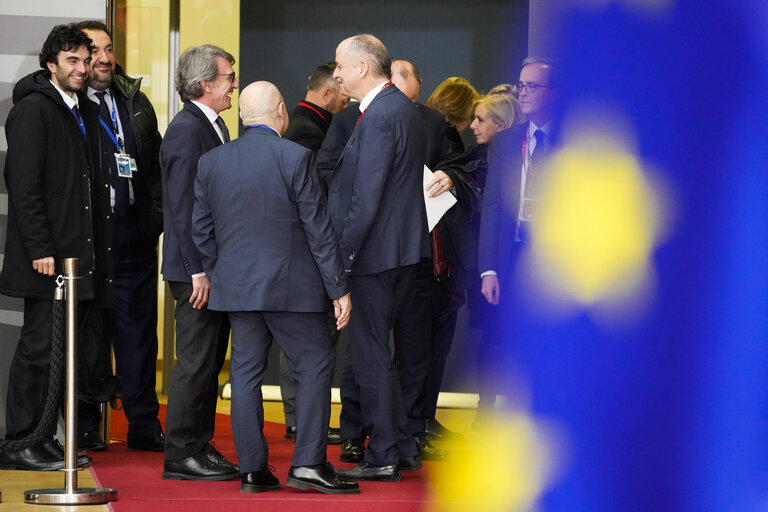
490,289
200,287
439,183
341,308
45,265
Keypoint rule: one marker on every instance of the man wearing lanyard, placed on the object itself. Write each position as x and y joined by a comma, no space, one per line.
516,156
377,210
129,136
205,80
309,122
53,197
509,201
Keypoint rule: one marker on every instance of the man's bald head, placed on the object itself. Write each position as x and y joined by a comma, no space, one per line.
406,77
368,48
362,62
262,103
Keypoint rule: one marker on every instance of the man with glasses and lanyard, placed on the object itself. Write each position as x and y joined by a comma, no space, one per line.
515,157
509,201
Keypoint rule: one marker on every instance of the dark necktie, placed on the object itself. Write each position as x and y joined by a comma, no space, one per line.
537,157
223,128
120,185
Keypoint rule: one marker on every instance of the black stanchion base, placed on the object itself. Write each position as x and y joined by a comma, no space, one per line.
81,496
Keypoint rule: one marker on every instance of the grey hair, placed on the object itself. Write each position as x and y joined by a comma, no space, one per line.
198,64
554,73
372,51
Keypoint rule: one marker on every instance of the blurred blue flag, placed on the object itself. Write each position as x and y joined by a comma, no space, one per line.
670,412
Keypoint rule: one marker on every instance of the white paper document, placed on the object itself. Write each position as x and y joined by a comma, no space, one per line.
436,206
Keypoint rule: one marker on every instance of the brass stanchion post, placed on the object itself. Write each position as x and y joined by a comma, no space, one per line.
70,494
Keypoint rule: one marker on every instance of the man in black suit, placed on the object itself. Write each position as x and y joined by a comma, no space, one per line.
204,79
261,224
309,122
508,206
312,116
424,329
377,210
129,125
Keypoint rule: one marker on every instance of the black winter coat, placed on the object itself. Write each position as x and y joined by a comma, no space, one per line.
51,194
136,109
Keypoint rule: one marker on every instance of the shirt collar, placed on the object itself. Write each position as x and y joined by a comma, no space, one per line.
546,128
69,101
208,111
371,94
91,93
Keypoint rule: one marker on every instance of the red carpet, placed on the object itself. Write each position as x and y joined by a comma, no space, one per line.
137,477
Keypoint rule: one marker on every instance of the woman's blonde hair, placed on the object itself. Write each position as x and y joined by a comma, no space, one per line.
455,98
503,109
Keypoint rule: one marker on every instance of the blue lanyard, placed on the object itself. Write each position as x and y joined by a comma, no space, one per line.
262,126
114,134
79,121
114,115
111,134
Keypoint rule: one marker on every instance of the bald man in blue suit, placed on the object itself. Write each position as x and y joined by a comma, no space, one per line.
261,224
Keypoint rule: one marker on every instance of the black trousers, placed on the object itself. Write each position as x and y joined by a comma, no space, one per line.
202,337
134,323
446,301
30,370
379,298
412,334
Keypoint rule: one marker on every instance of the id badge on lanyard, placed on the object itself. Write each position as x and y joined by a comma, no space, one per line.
527,211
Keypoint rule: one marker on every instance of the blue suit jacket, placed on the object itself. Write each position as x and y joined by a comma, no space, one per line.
501,200
375,194
261,224
189,135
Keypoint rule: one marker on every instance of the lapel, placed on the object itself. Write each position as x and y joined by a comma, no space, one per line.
209,130
374,104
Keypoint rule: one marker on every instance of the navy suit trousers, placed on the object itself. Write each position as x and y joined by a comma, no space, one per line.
308,348
378,299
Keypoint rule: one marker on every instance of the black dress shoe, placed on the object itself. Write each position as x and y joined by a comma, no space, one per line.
290,433
46,456
216,457
334,436
352,450
260,481
409,463
321,478
365,471
427,450
434,430
92,442
197,467
154,442
53,446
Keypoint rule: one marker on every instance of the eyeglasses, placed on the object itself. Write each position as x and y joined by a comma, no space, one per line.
528,86
230,76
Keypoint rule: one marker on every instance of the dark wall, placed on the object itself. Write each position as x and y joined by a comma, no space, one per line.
483,41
